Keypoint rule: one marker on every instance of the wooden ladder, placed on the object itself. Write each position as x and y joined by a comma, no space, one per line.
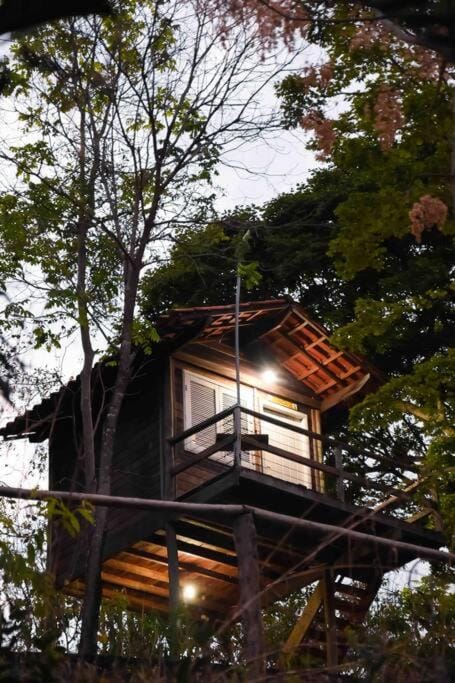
339,604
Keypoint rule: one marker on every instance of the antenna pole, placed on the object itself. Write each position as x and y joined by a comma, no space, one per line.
237,335
237,416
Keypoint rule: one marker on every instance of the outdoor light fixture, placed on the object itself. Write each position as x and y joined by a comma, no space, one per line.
269,376
189,592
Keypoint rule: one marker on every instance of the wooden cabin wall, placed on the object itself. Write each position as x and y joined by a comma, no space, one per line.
135,473
212,365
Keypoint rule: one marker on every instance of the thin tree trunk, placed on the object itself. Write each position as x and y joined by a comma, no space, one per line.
92,597
86,202
88,440
452,156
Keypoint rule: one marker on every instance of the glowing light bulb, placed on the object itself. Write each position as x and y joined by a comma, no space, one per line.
189,592
269,376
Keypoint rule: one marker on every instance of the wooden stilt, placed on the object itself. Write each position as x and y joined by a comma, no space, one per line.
330,619
249,584
174,588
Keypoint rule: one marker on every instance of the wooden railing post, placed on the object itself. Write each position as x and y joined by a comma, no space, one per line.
339,466
249,594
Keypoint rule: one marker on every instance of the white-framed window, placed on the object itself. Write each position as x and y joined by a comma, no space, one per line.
203,398
287,440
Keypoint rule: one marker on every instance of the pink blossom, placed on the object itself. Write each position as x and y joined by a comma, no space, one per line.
368,35
274,20
429,212
323,130
313,76
388,116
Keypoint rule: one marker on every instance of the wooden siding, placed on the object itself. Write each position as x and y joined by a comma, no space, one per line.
135,472
202,473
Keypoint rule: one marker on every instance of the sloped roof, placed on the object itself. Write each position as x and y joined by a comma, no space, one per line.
300,344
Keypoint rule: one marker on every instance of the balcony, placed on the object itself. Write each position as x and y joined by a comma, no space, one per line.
261,448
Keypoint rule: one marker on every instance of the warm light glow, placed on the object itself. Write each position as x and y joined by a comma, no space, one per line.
189,592
269,376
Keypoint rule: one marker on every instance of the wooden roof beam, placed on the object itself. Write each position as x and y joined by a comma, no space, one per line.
343,394
325,369
324,387
328,360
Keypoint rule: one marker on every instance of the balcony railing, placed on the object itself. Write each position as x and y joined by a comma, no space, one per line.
241,438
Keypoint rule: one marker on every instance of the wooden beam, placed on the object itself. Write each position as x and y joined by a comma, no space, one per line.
232,510
128,582
219,445
286,557
302,626
344,393
324,387
135,599
318,341
173,567
250,602
301,326
127,562
189,567
191,547
313,360
277,326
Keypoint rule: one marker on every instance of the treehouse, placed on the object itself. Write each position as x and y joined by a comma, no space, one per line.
184,435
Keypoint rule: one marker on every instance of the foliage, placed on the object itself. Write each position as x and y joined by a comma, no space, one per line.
394,136
409,635
107,169
426,23
366,244
34,615
123,121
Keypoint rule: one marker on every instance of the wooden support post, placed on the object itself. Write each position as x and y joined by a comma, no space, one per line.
339,466
174,588
249,585
330,619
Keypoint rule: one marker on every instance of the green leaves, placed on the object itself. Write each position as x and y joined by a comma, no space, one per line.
249,273
409,636
145,335
69,518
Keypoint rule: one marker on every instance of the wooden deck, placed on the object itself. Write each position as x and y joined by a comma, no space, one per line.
288,559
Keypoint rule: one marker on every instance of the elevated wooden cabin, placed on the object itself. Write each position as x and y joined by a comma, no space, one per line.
176,439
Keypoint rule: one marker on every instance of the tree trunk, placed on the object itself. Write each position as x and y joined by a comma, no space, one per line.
92,597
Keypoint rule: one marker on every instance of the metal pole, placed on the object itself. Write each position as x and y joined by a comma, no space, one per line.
237,416
237,335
